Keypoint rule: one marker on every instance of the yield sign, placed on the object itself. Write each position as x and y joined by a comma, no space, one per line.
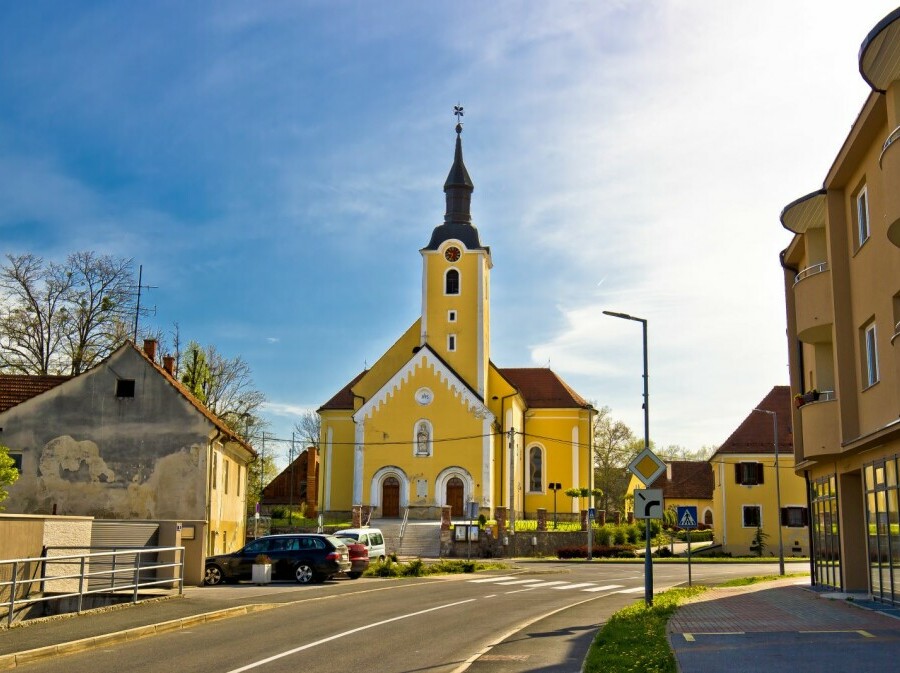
646,466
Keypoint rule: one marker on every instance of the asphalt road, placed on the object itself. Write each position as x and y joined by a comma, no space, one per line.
540,618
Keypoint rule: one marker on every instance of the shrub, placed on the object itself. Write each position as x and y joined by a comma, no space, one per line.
665,552
603,536
597,551
415,568
620,535
278,512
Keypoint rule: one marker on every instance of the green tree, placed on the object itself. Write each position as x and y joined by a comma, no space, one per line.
613,450
262,471
8,473
195,373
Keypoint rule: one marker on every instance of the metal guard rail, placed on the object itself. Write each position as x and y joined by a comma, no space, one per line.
133,566
811,271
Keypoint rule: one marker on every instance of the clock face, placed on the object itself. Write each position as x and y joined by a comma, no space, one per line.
452,253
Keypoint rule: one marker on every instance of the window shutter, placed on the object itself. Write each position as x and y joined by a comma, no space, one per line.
760,472
785,517
737,473
804,516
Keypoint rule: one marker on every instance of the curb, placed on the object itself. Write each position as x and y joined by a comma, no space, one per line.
10,661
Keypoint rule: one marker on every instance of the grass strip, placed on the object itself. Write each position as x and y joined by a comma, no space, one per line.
634,639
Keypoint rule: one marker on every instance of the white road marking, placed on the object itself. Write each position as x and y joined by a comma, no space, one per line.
606,587
574,586
493,579
288,653
636,590
545,584
518,582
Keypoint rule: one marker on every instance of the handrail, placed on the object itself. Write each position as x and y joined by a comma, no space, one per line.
891,139
811,271
402,529
131,563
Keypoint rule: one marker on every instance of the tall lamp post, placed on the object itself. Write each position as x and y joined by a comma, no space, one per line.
777,488
648,560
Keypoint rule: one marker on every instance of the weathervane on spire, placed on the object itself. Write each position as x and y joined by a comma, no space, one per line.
458,111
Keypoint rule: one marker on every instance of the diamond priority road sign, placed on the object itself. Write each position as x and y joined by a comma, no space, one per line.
646,466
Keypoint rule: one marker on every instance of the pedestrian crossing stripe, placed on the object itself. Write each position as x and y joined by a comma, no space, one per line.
508,580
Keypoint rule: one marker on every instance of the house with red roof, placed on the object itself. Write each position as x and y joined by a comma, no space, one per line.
434,426
756,489
126,440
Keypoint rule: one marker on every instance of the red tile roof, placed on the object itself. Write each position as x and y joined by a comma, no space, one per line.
542,388
343,399
691,479
756,433
16,388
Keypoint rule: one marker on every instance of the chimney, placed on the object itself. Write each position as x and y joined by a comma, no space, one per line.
169,365
150,348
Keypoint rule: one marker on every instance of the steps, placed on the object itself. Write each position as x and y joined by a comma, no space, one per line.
422,539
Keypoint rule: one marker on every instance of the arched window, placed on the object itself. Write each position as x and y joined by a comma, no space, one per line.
535,469
451,282
708,517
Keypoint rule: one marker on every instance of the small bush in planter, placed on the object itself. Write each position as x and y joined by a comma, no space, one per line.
262,559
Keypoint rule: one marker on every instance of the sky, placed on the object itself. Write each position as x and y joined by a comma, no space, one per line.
275,168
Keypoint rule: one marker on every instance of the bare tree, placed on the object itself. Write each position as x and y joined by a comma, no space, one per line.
63,318
100,303
613,449
34,316
309,427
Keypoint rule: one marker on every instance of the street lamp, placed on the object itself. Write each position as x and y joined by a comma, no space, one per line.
777,489
648,561
554,486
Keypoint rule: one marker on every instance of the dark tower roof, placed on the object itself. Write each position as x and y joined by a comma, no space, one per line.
458,218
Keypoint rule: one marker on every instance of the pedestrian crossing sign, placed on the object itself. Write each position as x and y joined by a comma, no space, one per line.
687,517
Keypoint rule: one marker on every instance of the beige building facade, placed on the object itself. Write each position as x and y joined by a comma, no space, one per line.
842,289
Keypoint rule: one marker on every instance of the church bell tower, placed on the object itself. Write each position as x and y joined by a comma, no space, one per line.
456,282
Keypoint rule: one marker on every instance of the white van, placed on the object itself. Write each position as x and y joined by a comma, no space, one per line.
371,537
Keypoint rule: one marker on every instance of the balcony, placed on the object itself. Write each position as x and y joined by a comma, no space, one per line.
821,427
813,304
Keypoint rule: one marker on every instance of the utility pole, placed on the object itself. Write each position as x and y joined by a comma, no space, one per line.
291,499
512,481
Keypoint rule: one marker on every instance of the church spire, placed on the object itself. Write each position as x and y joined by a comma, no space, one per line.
458,189
458,186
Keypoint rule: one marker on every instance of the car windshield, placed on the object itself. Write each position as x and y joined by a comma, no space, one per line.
352,536
336,541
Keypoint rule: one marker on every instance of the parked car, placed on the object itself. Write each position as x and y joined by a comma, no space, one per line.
371,537
302,557
359,558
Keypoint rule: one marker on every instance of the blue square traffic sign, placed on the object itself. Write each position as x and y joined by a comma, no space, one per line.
687,517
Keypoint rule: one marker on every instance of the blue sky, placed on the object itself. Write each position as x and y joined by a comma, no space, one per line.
275,167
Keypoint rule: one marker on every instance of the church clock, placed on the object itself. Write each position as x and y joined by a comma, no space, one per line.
452,253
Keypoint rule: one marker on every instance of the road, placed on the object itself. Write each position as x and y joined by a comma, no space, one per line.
541,617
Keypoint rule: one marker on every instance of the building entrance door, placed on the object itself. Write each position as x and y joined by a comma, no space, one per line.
455,497
390,498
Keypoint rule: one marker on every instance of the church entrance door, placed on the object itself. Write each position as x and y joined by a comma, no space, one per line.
390,498
455,497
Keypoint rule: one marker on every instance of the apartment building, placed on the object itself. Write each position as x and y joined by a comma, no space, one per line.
842,289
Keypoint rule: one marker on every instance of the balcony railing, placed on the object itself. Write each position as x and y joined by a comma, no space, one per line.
811,271
891,139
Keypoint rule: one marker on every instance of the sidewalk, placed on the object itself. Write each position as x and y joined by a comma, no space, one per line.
783,627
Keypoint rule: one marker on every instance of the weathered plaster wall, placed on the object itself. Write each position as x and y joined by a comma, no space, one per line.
86,451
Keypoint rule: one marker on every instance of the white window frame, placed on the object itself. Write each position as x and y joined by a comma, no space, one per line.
542,486
451,343
863,230
744,509
451,315
870,342
458,282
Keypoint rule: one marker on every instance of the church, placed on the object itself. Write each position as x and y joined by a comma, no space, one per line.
434,422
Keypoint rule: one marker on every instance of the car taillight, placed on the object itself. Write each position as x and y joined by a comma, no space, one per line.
334,556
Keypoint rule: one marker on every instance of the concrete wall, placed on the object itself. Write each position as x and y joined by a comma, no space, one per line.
86,451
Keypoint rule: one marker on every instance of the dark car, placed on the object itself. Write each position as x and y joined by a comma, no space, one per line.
359,558
302,557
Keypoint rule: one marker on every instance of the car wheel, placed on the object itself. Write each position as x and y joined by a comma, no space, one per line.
354,576
303,573
213,575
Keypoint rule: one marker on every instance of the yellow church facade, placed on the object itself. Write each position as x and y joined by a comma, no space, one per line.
434,422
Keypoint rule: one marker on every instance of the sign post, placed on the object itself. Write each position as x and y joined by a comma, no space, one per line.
647,467
687,519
